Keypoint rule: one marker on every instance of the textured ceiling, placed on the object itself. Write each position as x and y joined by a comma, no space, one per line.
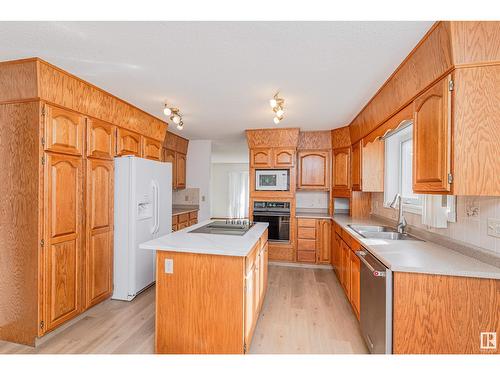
222,74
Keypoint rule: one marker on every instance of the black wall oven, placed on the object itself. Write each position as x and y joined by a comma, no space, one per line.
277,214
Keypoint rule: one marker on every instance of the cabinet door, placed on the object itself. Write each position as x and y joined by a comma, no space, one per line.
151,149
249,305
261,158
341,180
432,139
256,287
356,166
372,166
169,157
63,200
355,270
64,131
127,143
323,241
284,158
265,265
99,244
101,139
313,170
180,170
337,255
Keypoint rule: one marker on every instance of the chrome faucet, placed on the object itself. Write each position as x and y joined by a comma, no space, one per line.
401,219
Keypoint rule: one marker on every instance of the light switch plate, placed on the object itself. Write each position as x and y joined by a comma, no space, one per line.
169,266
494,227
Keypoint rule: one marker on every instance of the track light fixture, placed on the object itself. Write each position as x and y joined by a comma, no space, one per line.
278,105
175,116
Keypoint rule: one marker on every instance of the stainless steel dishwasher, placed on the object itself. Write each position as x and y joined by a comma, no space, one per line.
376,303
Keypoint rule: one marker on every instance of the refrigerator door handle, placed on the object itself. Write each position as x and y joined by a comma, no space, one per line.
155,207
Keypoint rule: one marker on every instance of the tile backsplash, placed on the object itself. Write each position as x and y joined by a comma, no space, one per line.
312,199
471,226
190,196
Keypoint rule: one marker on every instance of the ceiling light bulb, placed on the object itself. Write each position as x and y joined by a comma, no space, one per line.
180,126
176,119
276,120
280,112
273,103
167,111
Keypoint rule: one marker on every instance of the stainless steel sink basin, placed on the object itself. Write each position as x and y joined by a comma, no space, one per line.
389,236
371,228
381,232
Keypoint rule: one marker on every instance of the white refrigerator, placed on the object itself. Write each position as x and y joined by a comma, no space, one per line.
143,211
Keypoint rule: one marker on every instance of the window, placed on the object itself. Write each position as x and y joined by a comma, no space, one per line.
399,169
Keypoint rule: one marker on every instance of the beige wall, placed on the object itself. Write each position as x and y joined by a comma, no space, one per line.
469,229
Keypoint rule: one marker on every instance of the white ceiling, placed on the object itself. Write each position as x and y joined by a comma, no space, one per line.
222,74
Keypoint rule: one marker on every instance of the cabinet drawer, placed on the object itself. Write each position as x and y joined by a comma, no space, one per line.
193,222
309,223
307,233
174,227
183,218
309,245
175,219
193,215
306,256
183,225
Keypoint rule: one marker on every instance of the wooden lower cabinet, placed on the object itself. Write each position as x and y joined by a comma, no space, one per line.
181,221
99,236
63,256
313,240
213,310
440,314
355,283
346,265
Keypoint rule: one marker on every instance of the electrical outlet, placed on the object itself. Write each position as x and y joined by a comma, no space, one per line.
186,198
203,198
169,266
494,227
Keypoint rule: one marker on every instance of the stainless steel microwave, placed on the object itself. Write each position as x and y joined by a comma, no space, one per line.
272,179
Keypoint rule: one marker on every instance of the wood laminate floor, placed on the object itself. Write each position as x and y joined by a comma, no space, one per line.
305,311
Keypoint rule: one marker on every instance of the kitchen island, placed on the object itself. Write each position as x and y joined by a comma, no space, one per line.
209,289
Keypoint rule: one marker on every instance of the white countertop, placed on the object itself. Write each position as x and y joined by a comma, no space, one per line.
201,243
419,256
312,213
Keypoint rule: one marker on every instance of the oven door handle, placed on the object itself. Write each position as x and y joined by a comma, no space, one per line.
361,256
271,214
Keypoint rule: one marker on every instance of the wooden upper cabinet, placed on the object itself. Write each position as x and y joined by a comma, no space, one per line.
63,200
356,166
313,170
64,130
127,143
261,158
283,158
180,167
101,139
323,240
99,244
432,139
341,180
151,149
169,157
372,166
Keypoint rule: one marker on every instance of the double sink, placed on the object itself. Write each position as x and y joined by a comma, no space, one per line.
381,232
